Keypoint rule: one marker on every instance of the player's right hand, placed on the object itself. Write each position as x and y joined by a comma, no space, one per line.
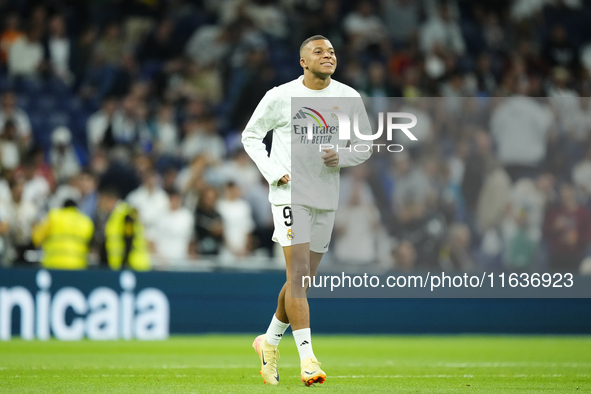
283,181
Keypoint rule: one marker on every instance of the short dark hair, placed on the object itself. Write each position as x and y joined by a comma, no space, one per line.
87,172
9,124
69,203
172,191
313,38
109,190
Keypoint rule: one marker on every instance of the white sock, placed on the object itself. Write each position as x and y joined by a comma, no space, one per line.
275,331
303,339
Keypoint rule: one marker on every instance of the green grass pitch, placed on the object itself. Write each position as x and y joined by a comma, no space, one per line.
354,364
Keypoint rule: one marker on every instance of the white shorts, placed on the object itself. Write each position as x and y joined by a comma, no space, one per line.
298,224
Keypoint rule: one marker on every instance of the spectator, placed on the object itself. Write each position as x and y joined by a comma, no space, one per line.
352,178
529,202
493,197
520,127
522,229
10,112
240,169
455,253
451,202
263,14
129,123
267,17
173,232
454,90
412,184
405,256
526,9
20,215
140,20
209,225
150,200
25,57
36,156
424,228
485,80
363,27
410,83
494,33
202,138
444,31
210,43
123,245
560,52
578,124
66,161
65,235
69,190
59,49
571,116
169,177
238,223
354,74
197,82
36,189
438,63
9,35
252,81
257,196
89,196
357,226
103,78
191,180
327,22
475,168
81,53
567,230
402,19
159,46
581,175
378,86
9,147
165,132
457,162
110,48
38,18
100,126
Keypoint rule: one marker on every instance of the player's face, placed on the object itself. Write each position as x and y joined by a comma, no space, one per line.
319,58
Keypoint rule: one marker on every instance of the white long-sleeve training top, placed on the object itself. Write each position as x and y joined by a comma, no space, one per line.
312,183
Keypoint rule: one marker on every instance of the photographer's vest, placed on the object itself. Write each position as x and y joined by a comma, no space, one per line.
115,231
66,246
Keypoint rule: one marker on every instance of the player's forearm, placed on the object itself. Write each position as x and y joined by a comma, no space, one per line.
257,152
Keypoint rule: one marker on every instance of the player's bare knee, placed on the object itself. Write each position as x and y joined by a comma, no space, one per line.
298,271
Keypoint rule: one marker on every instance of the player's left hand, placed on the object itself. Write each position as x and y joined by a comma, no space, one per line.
331,158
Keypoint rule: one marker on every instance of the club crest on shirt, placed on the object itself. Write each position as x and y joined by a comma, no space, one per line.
289,234
334,116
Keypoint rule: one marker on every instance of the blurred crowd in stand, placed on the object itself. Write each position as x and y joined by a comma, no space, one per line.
145,100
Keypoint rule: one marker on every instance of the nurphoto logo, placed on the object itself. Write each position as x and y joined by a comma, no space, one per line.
320,132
